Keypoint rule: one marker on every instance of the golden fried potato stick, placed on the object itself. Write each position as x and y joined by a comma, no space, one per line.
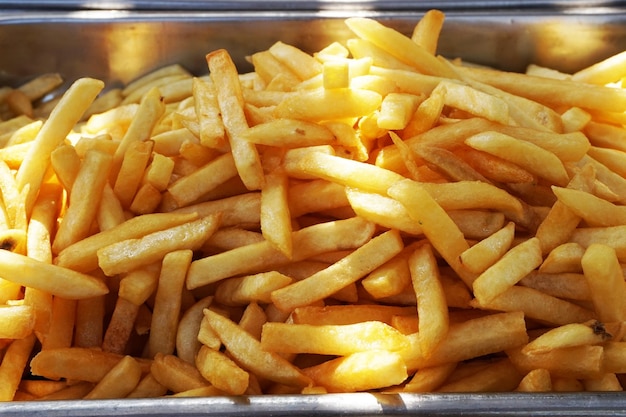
230,100
53,279
13,364
57,126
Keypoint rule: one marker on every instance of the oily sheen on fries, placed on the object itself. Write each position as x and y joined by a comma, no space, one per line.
367,217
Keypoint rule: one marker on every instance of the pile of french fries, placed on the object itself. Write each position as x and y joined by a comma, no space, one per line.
369,217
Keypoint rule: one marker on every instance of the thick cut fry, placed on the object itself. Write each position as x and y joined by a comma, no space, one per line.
496,377
212,132
569,335
247,351
323,104
82,364
57,126
126,255
426,31
60,333
85,198
275,215
485,253
221,371
167,303
606,282
506,272
360,371
574,362
175,374
337,340
187,343
595,211
347,172
50,278
230,100
14,362
89,322
540,306
473,338
341,274
432,308
133,165
119,381
120,327
16,322
190,188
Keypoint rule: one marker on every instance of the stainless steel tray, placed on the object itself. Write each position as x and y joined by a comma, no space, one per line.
121,45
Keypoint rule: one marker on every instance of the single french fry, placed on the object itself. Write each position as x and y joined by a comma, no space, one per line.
507,271
60,333
499,376
429,379
230,100
175,374
120,381
167,303
426,31
131,169
337,340
578,362
571,286
14,362
484,254
568,335
120,326
148,387
126,255
550,91
50,278
432,308
81,364
89,323
190,188
84,200
359,371
563,259
538,305
187,343
472,338
275,215
606,282
16,322
57,126
221,371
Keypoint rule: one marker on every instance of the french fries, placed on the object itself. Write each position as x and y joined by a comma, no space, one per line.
368,217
